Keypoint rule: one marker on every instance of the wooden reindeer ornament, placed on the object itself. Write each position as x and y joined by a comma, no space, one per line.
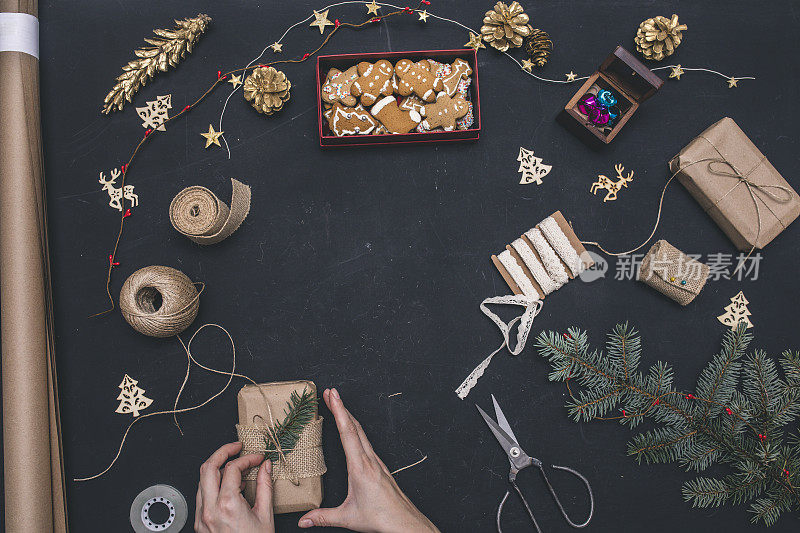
116,194
613,187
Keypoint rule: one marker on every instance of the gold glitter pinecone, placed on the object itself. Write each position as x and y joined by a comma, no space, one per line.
267,89
505,26
538,46
658,37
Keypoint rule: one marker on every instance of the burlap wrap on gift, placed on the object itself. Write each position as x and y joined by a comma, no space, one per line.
736,185
673,273
303,461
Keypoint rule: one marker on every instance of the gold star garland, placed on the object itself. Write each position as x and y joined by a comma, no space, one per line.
321,21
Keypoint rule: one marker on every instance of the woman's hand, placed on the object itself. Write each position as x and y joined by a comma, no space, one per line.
220,504
374,502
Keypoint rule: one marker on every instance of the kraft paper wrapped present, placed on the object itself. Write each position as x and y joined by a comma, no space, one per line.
673,273
297,482
736,185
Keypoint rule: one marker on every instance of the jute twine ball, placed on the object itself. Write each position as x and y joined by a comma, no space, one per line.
159,301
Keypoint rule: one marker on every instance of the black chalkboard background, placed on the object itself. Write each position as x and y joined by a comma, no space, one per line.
363,268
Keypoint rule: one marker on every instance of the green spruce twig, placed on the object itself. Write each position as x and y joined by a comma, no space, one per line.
739,414
300,410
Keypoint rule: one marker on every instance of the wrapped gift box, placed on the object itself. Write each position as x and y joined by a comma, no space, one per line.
297,485
631,82
345,61
736,185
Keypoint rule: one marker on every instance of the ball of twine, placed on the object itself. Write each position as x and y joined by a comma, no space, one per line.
159,301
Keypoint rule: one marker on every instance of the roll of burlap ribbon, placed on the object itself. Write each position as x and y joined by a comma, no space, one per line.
159,301
198,214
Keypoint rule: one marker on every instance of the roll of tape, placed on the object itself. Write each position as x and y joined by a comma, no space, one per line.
19,32
141,520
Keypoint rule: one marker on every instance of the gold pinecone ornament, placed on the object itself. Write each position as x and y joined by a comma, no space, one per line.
267,89
506,26
165,52
538,46
658,37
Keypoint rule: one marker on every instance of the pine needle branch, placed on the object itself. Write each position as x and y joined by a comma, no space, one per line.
739,414
300,410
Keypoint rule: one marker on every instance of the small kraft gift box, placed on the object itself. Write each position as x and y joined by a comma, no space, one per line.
468,127
296,471
736,185
610,97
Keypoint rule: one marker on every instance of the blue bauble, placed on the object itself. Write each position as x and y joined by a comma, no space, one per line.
606,97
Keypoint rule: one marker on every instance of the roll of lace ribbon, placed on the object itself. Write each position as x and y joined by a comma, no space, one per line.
159,301
198,214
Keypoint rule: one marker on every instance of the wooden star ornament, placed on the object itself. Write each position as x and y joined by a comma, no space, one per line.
732,83
212,137
276,47
423,15
571,76
321,20
372,8
235,80
676,72
475,42
527,65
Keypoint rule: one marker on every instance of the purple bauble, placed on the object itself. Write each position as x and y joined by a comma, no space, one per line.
599,116
587,103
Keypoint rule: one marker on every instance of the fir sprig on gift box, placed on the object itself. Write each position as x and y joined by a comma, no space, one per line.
300,410
739,414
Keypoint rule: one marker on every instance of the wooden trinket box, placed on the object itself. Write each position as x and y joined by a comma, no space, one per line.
628,79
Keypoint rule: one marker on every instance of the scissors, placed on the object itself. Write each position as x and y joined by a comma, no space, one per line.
520,460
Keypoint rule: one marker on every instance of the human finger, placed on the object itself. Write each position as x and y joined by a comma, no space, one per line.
348,433
365,443
263,500
209,471
331,517
232,476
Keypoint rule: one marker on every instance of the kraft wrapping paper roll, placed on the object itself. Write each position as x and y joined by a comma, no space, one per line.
34,475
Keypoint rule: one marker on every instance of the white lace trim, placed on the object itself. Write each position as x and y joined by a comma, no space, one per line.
561,245
519,276
539,273
532,308
549,258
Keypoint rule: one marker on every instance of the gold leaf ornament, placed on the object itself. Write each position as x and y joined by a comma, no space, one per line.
267,89
165,51
658,37
506,26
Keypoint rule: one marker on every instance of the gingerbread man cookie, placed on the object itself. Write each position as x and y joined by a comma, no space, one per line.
444,113
412,103
337,86
395,119
351,120
459,70
417,78
374,81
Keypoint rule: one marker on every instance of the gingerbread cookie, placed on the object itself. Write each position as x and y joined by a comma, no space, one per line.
465,122
418,79
337,86
396,120
351,120
459,70
380,130
412,103
445,112
374,81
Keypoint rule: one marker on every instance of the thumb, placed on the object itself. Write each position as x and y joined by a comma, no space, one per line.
334,517
263,499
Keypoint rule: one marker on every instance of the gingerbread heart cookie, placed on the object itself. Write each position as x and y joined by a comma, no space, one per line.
374,81
351,120
444,112
418,79
396,120
337,86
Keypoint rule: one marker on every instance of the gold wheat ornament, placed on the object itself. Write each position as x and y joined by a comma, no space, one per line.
165,51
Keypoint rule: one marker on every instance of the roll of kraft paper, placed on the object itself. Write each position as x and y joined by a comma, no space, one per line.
34,475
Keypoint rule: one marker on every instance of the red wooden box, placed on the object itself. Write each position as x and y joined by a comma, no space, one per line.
345,61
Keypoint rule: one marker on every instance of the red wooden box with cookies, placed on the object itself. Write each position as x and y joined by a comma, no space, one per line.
398,97
610,97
